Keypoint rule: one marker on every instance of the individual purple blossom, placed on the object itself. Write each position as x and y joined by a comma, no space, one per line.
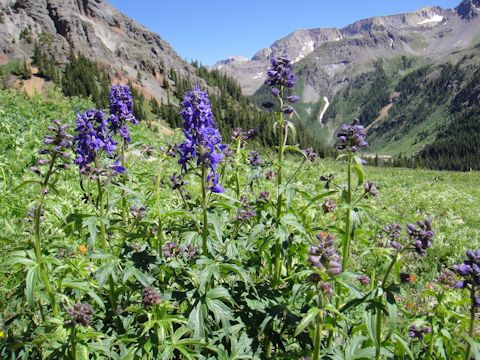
447,278
264,195
329,206
270,175
293,98
254,159
177,182
243,135
351,137
92,137
58,142
150,297
415,332
81,314
170,249
363,279
310,154
138,212
203,141
324,256
370,189
421,235
469,270
121,111
326,288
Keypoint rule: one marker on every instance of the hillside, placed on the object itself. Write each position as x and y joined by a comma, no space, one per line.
388,71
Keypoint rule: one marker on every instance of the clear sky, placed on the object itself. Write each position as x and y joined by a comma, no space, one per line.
212,30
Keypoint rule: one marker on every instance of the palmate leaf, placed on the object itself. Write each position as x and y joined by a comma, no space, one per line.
474,347
402,345
196,320
307,320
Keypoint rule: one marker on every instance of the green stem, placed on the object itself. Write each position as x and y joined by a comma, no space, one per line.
101,208
378,342
318,331
472,321
38,238
348,230
295,173
124,200
73,339
277,249
205,209
159,215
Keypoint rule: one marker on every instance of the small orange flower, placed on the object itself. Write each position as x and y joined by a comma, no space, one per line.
409,305
429,286
82,249
413,278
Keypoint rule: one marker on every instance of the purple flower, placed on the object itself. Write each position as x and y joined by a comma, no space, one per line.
324,256
415,333
81,314
329,206
351,137
150,297
203,141
92,137
363,279
370,189
280,74
270,175
310,154
293,98
421,235
254,159
469,270
121,111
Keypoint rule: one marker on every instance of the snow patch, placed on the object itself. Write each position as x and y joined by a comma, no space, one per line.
434,18
307,48
260,75
327,104
391,43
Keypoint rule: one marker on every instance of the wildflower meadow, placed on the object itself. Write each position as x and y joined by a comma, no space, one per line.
120,242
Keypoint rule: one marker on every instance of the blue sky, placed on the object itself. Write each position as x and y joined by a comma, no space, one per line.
212,30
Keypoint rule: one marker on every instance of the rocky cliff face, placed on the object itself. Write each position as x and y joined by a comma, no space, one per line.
328,58
95,29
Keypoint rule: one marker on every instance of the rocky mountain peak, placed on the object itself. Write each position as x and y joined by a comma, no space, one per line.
468,9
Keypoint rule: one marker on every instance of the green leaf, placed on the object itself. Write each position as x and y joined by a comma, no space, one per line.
295,149
214,219
392,314
474,347
360,173
403,345
31,283
311,315
196,320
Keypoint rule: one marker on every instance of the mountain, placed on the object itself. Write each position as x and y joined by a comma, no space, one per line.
95,29
407,77
327,58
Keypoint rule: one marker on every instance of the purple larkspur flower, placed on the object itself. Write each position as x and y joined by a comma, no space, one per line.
254,159
150,297
329,206
421,234
363,279
81,314
415,332
203,141
280,75
370,189
469,270
121,111
351,137
324,256
310,154
92,137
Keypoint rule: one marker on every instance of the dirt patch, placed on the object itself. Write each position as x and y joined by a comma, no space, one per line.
33,86
3,59
382,115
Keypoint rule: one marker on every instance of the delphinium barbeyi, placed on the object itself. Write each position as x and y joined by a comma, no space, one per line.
93,144
418,239
351,138
469,271
280,79
202,150
121,114
326,264
54,157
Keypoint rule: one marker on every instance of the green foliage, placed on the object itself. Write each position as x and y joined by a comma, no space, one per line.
225,305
